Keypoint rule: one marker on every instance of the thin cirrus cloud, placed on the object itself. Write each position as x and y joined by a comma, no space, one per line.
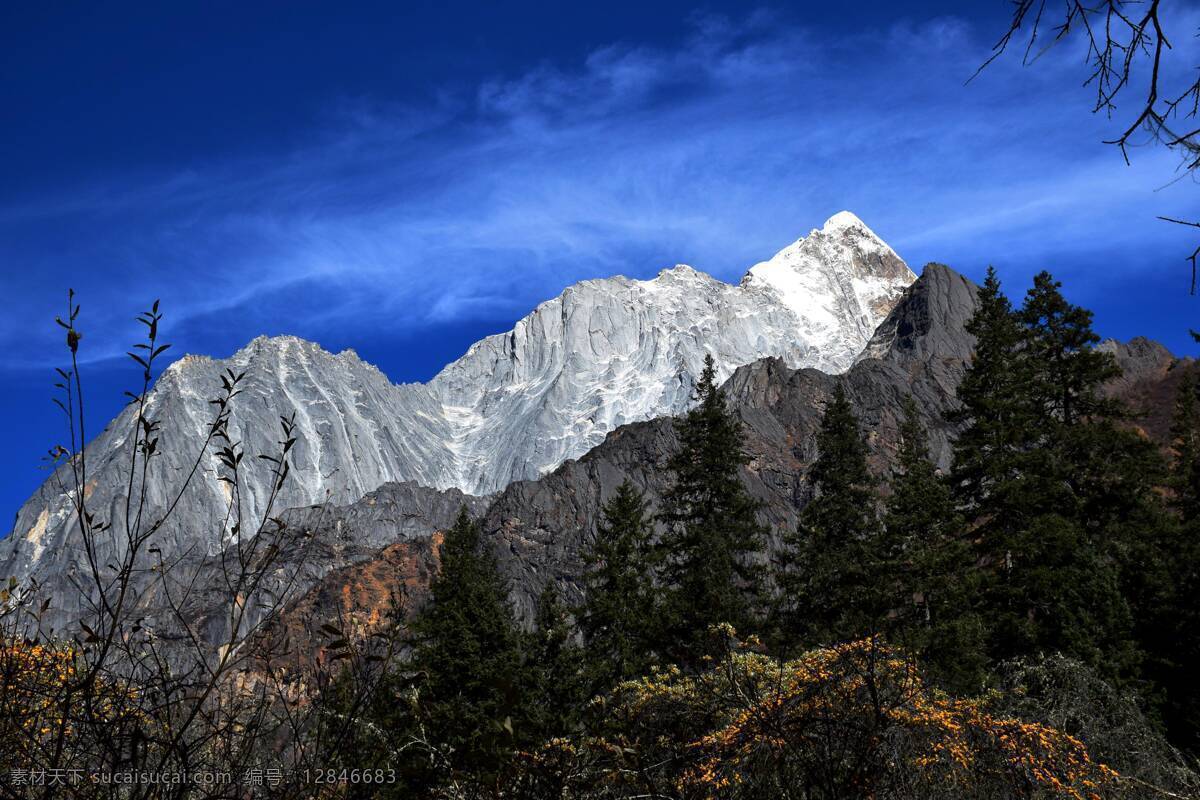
717,152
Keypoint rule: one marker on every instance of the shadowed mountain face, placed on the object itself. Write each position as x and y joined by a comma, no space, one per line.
540,528
312,542
1149,383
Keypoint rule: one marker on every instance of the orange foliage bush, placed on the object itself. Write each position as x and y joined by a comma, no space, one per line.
850,721
46,699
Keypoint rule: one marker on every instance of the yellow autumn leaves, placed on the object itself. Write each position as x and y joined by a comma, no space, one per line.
855,720
44,698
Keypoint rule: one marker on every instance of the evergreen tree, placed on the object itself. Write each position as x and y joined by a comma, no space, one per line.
711,526
1091,482
1185,447
994,404
617,618
919,513
1067,371
924,564
1171,636
993,468
1027,475
555,669
830,591
468,647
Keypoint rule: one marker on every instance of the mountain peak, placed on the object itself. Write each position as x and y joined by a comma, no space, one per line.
847,225
681,272
842,266
276,344
286,344
930,318
842,220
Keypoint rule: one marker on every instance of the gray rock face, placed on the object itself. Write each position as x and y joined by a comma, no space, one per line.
351,441
540,528
930,323
313,542
1139,358
602,354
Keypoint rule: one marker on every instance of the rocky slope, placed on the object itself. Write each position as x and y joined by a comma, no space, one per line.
608,352
602,354
1149,382
539,528
311,543
921,350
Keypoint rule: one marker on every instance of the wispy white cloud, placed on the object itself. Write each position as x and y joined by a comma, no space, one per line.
716,152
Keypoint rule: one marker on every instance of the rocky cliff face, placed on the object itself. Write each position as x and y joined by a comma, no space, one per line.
609,352
352,439
312,542
539,528
1149,383
602,354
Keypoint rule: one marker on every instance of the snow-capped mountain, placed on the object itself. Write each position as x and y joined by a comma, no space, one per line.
516,405
607,352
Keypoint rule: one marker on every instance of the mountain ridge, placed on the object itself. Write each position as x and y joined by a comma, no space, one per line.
538,528
602,353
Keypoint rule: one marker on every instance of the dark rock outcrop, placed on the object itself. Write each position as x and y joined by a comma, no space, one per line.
540,528
314,541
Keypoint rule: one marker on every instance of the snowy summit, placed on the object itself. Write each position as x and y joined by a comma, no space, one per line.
601,354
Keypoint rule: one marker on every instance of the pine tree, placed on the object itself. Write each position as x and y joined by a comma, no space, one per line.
994,402
711,526
924,564
555,669
829,590
1067,371
468,647
1091,482
919,514
1171,601
617,618
1027,475
1185,447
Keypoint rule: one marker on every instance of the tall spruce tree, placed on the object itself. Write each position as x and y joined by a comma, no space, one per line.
994,405
829,590
1059,344
1172,642
618,615
712,526
1093,485
554,666
925,564
1185,448
1026,474
469,649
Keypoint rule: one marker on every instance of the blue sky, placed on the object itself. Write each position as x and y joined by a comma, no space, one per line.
404,178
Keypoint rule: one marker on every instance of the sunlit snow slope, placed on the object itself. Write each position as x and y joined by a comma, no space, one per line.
602,353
